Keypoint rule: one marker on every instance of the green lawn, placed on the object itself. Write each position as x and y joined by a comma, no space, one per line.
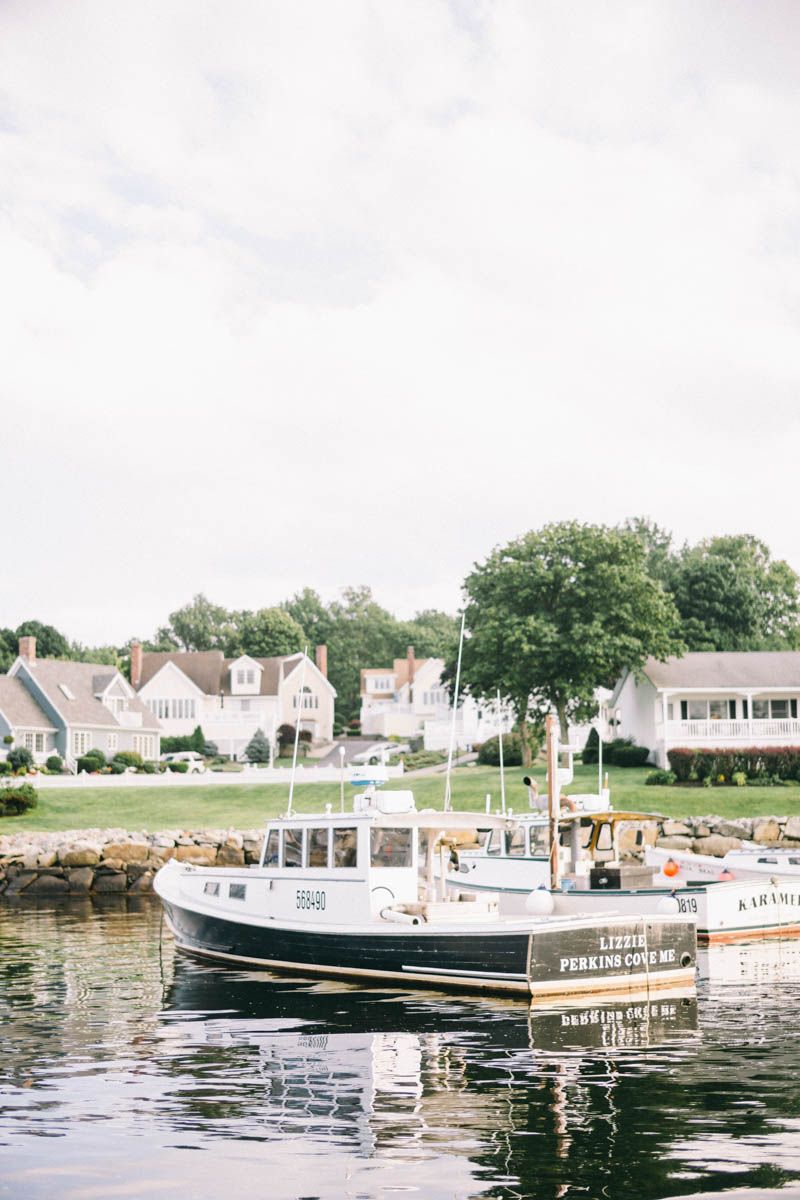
244,806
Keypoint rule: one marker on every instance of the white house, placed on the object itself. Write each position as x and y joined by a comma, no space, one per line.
52,706
410,699
230,698
710,699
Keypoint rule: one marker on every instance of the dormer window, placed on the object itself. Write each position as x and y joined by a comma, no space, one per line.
245,675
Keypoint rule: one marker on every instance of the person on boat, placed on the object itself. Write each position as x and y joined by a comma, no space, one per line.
540,802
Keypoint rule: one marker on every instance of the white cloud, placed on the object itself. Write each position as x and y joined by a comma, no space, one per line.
326,294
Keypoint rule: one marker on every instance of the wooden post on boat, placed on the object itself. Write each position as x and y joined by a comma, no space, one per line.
553,799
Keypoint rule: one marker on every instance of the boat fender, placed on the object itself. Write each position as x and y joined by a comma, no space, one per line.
539,903
725,876
670,867
669,905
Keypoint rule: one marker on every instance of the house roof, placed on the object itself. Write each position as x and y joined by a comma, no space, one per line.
210,672
84,681
19,707
399,670
719,669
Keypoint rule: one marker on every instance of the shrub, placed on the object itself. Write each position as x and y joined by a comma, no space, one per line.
489,753
629,756
20,757
306,736
117,768
424,758
17,799
210,749
88,764
681,760
739,778
591,751
98,754
149,768
286,735
54,762
258,748
8,740
5,768
660,778
129,758
179,768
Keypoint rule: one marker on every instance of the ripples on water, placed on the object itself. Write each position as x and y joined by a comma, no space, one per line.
131,1072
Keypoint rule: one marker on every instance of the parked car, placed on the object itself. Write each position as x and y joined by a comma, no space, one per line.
195,760
380,752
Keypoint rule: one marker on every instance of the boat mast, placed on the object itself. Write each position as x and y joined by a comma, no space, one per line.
453,722
500,743
553,798
297,728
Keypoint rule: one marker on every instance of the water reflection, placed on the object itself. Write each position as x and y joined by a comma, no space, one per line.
119,1058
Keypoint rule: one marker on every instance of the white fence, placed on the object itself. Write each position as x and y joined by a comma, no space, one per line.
754,733
248,775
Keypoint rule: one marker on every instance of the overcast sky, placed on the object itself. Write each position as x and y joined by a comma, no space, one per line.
337,292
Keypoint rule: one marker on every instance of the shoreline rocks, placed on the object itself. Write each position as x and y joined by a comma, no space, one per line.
84,862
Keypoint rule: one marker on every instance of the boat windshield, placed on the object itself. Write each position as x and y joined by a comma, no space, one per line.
345,846
391,847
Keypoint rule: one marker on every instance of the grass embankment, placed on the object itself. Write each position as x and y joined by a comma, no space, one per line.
245,806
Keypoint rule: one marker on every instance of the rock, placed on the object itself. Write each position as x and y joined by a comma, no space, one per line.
234,840
79,856
792,828
127,852
144,883
716,845
201,856
702,829
47,885
47,858
161,854
111,864
227,856
740,828
252,849
676,829
117,882
766,830
674,843
80,879
19,882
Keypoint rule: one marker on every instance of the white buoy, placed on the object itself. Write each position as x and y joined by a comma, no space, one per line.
539,903
668,906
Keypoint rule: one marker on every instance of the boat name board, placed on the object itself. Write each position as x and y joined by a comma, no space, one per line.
762,899
607,962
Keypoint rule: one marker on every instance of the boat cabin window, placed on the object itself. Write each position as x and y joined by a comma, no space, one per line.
391,847
345,846
318,847
237,891
271,854
515,842
538,839
494,843
292,848
211,889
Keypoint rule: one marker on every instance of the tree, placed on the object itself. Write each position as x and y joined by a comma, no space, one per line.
661,559
258,748
200,625
265,634
49,642
20,757
732,595
559,612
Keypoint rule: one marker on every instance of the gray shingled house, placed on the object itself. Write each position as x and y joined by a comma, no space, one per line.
711,699
52,706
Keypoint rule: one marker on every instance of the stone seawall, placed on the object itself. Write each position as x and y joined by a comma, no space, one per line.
83,861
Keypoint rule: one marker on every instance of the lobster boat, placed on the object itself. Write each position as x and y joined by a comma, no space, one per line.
751,862
356,895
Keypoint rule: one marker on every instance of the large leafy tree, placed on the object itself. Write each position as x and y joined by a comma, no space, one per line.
200,625
732,595
49,642
265,634
558,612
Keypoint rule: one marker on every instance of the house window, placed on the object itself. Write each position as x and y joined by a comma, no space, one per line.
29,741
250,676
778,710
240,676
670,712
717,710
112,742
698,710
143,745
761,710
81,742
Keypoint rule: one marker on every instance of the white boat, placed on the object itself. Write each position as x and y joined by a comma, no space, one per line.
515,864
753,862
340,894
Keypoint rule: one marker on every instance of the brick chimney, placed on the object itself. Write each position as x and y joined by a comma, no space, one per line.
27,648
322,660
136,664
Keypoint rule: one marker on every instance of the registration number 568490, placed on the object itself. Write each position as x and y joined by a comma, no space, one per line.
305,898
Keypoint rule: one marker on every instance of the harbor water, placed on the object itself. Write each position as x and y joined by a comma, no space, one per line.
130,1071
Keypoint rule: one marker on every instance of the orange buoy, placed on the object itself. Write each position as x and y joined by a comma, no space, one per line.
671,867
724,876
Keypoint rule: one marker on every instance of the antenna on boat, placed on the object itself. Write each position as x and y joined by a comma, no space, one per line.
500,743
453,722
553,789
297,728
600,752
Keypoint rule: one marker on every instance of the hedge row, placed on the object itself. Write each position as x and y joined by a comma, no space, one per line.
756,762
621,752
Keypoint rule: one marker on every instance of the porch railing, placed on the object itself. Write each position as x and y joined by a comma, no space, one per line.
715,732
